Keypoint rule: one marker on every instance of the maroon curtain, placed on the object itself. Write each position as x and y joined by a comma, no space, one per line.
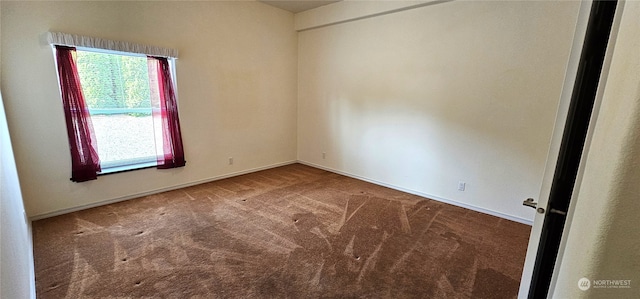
85,163
165,114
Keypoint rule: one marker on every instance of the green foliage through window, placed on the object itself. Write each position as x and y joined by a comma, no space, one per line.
111,81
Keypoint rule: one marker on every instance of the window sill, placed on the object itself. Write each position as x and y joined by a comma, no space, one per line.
125,168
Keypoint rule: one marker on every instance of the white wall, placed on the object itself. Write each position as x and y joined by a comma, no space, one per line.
16,251
16,260
236,91
603,241
423,98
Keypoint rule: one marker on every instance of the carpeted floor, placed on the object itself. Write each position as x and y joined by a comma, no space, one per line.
288,232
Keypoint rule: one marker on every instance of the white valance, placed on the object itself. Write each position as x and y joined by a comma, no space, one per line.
72,40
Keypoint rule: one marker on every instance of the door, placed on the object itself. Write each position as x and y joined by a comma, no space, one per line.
577,101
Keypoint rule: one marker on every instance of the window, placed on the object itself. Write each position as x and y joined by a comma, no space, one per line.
117,93
120,107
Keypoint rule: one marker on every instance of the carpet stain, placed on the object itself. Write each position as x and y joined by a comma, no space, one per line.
288,232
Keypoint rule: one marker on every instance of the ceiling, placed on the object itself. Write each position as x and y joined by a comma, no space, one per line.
299,5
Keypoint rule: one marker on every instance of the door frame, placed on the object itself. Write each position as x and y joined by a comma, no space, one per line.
590,58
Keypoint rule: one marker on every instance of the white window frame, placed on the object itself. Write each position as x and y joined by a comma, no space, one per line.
104,46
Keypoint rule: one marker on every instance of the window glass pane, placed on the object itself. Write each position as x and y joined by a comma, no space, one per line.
116,90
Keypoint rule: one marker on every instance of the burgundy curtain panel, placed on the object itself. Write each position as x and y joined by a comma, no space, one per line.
85,163
165,114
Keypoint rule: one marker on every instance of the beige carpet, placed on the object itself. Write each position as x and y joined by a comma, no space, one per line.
288,232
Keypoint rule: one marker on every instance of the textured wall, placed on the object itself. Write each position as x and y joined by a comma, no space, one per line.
423,98
236,79
603,242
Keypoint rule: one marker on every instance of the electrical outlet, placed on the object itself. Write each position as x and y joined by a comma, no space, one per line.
230,160
461,186
324,155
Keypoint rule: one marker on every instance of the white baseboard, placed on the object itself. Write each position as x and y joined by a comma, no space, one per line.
141,194
155,191
429,196
32,266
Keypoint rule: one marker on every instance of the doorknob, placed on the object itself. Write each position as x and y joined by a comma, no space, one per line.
529,202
